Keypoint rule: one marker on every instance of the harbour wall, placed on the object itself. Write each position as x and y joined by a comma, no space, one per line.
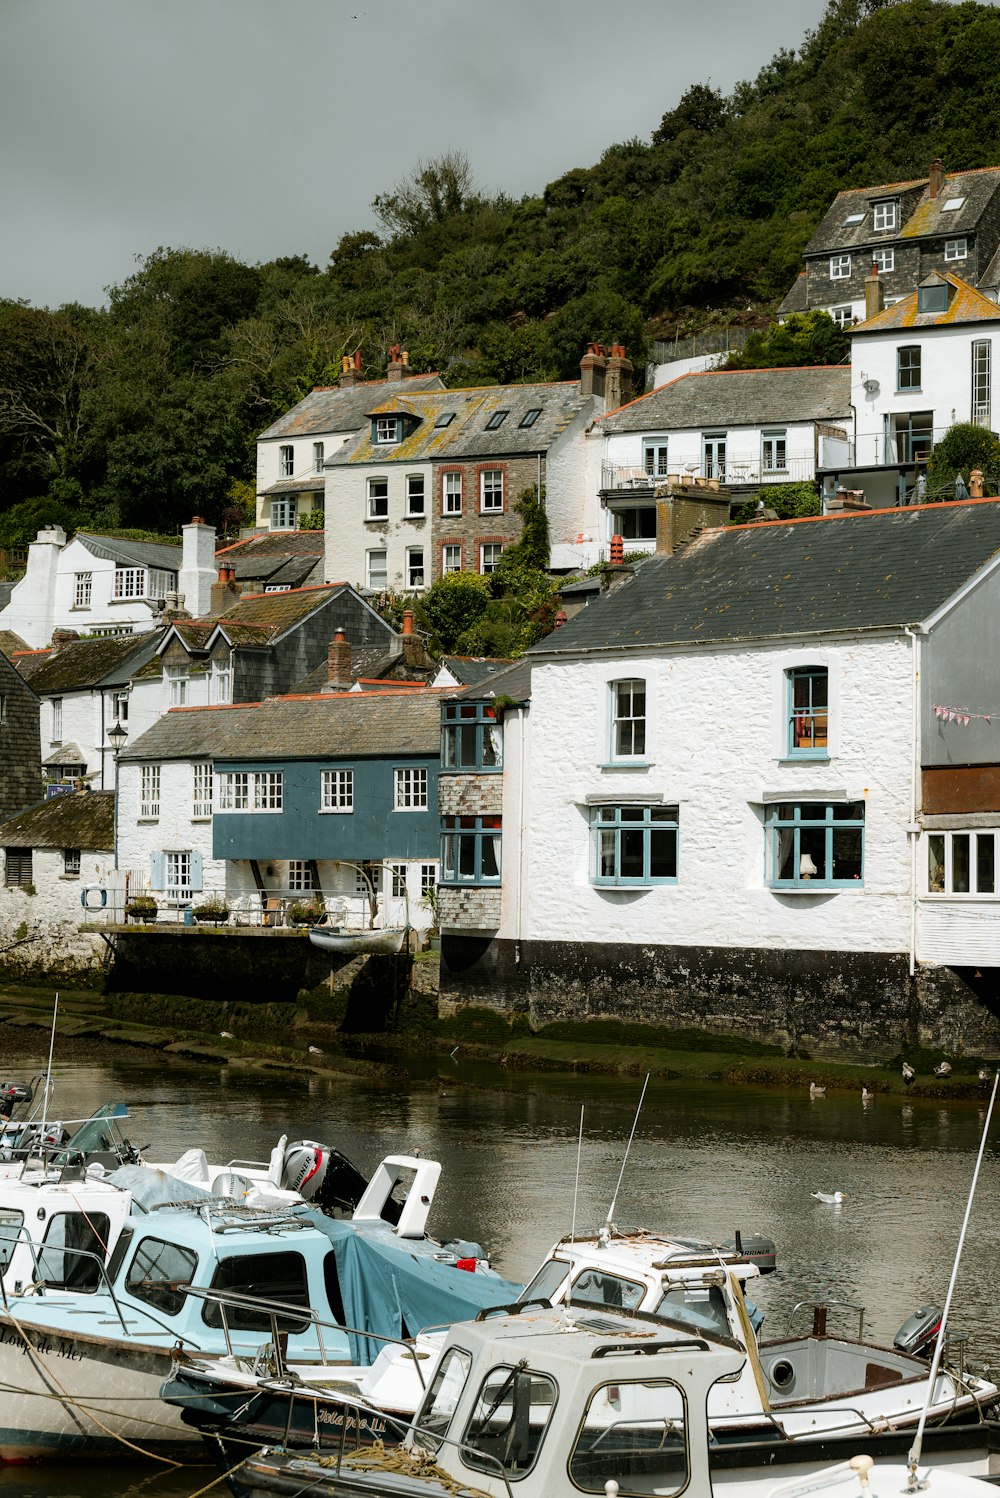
858,1004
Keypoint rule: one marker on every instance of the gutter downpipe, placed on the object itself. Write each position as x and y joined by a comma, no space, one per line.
522,739
913,829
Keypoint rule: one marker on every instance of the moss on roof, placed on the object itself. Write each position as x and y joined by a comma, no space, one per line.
82,820
81,664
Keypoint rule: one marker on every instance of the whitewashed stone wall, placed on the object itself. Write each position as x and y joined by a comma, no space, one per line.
716,724
743,451
350,535
175,830
268,462
45,598
40,933
572,478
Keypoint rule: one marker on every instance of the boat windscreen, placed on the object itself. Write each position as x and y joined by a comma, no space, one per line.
98,1132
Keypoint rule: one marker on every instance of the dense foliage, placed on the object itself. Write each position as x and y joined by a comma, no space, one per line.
146,412
963,448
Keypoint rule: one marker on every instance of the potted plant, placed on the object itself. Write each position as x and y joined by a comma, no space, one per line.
214,912
429,900
142,908
306,913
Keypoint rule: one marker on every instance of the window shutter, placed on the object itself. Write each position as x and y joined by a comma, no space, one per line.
196,870
157,870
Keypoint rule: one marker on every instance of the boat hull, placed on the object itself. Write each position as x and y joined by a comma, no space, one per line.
356,943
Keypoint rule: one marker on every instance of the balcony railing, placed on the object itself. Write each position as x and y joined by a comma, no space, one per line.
620,478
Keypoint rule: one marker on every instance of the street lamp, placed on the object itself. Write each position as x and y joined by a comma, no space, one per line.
116,738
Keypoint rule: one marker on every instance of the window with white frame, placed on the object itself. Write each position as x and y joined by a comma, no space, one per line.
177,685
885,215
628,719
956,249
368,877
397,873
149,792
105,631
286,461
908,367
300,875
201,791
268,790
884,260
451,494
378,499
251,790
130,582
491,490
842,316
119,707
82,588
177,868
221,682
234,791
962,863
654,456
336,790
57,720
414,566
71,862
284,513
388,429
634,845
489,556
981,360
840,267
411,790
451,558
774,450
428,879
414,494
161,583
318,451
376,570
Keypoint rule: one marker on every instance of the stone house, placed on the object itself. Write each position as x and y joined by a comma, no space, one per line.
763,817
20,755
946,221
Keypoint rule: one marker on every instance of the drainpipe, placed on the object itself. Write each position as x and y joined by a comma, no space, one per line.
520,828
913,829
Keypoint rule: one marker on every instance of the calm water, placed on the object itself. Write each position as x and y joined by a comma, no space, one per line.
706,1160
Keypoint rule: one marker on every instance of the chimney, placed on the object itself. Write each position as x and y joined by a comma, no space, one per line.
348,372
684,508
560,619
175,606
196,577
399,361
618,381
592,367
224,593
935,178
338,661
874,299
846,501
617,553
407,622
61,637
976,481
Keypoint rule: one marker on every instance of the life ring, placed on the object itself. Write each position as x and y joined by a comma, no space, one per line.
87,891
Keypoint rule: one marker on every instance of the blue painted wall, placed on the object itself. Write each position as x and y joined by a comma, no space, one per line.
372,830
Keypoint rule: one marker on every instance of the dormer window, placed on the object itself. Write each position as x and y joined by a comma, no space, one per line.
497,420
933,298
885,215
388,429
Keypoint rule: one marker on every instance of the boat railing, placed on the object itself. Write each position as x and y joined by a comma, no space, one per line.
16,1236
278,1311
819,1310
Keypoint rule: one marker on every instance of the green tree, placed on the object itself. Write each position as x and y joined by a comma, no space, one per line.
963,447
452,606
804,338
788,501
436,190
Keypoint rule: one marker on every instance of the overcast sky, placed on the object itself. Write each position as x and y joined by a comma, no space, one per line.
266,129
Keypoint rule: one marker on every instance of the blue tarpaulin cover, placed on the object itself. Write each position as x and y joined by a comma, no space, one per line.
396,1287
154,1188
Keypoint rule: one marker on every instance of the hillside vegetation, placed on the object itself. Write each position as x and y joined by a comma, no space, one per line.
144,413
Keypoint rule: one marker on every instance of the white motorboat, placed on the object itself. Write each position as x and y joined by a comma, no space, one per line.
348,942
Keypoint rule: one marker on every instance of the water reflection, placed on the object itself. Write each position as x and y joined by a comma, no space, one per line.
707,1159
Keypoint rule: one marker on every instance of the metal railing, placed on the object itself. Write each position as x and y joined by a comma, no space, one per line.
622,477
720,341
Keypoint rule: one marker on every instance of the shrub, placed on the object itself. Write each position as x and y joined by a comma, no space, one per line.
212,910
306,913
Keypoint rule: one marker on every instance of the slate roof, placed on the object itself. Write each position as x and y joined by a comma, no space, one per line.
10,642
273,543
331,725
288,558
133,553
84,820
797,299
883,569
967,305
470,669
268,615
83,664
331,408
64,754
741,397
466,435
513,680
922,216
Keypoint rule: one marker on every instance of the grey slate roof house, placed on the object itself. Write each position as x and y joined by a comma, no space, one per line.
20,756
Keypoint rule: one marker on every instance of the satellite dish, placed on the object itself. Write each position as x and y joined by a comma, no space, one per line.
872,387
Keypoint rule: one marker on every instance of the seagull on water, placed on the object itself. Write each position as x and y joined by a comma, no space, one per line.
984,1074
816,1091
943,1069
908,1073
227,1035
831,1198
866,1093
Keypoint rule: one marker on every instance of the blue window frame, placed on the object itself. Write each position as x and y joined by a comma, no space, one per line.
635,844
808,712
815,845
470,850
471,737
628,719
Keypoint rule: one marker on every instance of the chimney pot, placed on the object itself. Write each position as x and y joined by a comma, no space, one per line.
560,619
976,481
617,551
407,621
935,178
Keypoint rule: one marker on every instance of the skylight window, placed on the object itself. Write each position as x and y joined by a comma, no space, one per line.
530,417
854,218
445,419
951,204
497,420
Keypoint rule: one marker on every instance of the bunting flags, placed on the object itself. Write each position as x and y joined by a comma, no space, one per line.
960,716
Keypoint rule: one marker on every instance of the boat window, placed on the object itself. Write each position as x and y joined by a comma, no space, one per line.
157,1272
441,1398
547,1281
10,1224
332,1281
69,1238
594,1287
274,1276
118,1253
634,1433
698,1306
509,1421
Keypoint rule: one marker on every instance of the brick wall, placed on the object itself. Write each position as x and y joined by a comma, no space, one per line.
473,529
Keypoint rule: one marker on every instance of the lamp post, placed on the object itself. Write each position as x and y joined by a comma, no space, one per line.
116,738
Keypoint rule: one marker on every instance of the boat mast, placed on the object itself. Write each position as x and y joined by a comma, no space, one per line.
48,1071
621,1173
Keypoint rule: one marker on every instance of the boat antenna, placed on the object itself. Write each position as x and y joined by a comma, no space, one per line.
913,1485
576,1187
48,1071
635,1121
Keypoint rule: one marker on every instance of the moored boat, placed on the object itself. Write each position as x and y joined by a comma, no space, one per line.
347,942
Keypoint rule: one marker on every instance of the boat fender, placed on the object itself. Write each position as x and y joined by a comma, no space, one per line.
96,889
919,1332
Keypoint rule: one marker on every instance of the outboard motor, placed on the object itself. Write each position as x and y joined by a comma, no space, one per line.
755,1249
12,1095
327,1179
919,1332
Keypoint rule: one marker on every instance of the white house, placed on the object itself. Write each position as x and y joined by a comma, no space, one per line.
713,809
104,585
